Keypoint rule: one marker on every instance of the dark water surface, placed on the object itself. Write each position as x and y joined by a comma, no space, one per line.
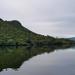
37,61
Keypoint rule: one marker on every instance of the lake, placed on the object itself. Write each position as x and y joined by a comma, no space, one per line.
37,61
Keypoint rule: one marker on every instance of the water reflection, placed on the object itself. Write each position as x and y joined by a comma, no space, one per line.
50,62
12,57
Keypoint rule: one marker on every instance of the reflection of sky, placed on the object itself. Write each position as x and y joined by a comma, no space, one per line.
52,17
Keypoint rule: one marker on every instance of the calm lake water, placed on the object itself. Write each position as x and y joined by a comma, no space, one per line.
22,62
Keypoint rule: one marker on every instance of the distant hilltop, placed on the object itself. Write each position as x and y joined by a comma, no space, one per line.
13,33
72,38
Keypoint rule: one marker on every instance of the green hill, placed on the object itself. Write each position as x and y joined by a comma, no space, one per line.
13,33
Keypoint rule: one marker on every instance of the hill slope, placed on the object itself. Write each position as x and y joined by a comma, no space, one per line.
73,38
13,33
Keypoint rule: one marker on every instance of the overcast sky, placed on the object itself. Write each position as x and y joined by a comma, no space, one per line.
49,17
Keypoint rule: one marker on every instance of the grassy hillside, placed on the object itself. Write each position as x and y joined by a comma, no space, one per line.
13,33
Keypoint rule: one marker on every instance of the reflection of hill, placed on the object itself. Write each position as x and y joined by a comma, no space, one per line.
13,57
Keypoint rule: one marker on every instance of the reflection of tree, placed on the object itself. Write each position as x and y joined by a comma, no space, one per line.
13,57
